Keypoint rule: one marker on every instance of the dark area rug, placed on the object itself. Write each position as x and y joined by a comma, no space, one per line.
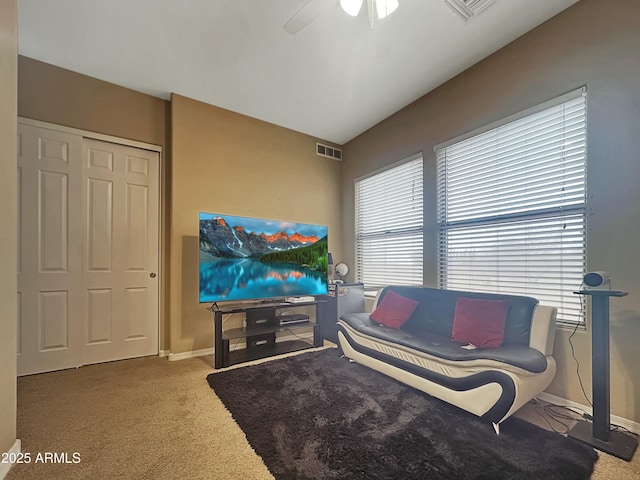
318,416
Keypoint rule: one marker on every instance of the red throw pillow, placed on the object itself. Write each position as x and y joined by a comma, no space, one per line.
480,322
394,310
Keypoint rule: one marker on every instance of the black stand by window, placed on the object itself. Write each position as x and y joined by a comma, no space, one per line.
599,434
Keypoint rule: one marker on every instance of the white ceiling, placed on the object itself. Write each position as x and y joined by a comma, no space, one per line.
333,80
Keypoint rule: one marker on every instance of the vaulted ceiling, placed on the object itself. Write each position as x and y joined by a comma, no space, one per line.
334,79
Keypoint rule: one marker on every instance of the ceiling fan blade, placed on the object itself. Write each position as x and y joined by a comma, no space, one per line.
307,14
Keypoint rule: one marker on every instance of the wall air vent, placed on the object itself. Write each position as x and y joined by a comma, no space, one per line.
468,9
328,151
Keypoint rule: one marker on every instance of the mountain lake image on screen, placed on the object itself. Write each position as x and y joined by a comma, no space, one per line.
244,258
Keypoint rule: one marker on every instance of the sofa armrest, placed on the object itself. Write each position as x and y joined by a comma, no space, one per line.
543,329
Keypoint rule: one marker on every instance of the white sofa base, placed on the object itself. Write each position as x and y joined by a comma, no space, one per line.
477,400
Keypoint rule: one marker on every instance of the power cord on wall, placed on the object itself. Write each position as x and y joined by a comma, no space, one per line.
235,345
555,415
291,332
559,414
573,352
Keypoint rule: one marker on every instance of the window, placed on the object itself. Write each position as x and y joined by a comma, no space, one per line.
388,225
511,207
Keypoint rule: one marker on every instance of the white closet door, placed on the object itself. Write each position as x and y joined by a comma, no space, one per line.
121,286
88,289
50,250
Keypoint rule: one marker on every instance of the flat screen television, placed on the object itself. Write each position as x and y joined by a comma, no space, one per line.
244,258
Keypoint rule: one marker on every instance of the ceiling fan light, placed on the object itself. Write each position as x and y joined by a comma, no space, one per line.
385,7
352,7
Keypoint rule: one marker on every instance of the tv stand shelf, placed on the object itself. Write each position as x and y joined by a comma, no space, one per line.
261,333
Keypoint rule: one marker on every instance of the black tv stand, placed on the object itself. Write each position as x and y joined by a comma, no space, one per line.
599,434
261,332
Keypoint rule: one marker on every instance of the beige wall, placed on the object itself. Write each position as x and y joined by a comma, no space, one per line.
224,162
593,43
8,234
55,95
63,97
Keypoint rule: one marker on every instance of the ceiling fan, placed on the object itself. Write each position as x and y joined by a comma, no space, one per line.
314,8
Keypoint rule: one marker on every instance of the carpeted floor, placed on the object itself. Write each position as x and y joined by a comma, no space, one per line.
149,418
318,416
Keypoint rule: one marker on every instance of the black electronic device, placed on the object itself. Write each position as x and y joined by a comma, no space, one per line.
293,319
242,258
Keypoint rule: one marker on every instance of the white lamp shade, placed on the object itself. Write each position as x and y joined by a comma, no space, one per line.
386,7
352,7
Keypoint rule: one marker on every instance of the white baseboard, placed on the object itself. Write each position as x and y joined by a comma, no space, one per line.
235,346
191,354
164,353
5,467
616,420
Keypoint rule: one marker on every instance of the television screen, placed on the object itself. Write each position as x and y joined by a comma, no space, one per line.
245,258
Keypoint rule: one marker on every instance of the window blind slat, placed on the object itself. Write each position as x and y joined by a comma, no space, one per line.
389,226
511,209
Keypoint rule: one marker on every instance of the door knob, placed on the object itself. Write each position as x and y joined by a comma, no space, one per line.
152,275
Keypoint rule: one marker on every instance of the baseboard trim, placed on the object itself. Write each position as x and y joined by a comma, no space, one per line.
236,346
614,419
5,467
164,353
191,354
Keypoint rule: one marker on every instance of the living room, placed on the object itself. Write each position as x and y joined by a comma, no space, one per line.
208,152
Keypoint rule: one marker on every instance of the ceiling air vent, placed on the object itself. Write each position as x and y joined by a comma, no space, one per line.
467,9
329,152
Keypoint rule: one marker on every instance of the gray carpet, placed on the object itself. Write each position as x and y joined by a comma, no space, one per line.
317,416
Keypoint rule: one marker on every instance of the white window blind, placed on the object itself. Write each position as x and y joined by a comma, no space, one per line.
511,208
389,226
